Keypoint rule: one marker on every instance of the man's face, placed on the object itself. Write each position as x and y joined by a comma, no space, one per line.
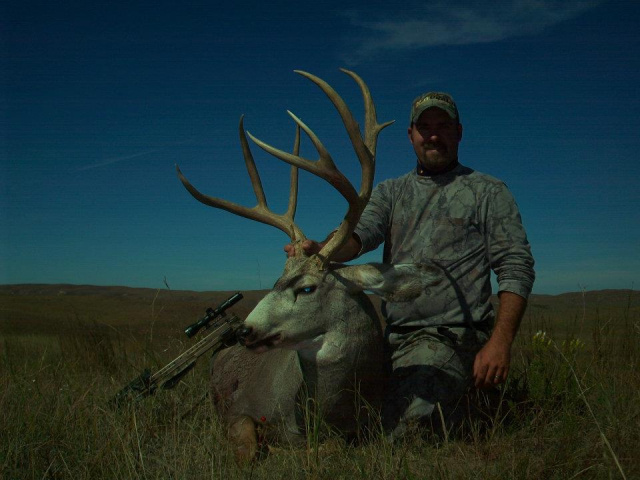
435,137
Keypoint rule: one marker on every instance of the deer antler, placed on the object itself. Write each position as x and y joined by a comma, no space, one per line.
323,167
261,212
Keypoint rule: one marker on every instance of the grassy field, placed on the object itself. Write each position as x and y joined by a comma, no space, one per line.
571,408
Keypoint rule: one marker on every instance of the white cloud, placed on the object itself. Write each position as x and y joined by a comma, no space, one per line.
459,23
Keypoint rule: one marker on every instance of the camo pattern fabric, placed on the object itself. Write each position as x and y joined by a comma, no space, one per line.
466,223
463,221
431,369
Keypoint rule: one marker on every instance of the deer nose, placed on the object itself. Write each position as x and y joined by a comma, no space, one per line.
242,334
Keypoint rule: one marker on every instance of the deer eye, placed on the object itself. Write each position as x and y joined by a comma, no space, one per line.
306,290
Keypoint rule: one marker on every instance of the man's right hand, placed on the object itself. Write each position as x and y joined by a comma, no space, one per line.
349,251
309,247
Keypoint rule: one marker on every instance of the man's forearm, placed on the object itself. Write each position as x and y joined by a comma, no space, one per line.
491,365
510,313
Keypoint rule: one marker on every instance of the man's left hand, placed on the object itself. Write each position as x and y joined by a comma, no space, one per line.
491,365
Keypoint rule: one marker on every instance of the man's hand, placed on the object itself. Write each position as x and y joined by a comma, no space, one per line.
349,250
309,247
491,365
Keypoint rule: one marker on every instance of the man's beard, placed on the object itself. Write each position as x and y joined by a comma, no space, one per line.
436,159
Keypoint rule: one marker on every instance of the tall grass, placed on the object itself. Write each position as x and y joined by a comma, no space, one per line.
571,409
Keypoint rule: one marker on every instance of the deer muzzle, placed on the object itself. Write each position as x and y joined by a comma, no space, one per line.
249,338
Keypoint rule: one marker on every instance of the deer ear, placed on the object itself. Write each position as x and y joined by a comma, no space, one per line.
395,283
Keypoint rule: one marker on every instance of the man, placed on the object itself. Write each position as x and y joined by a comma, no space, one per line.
468,224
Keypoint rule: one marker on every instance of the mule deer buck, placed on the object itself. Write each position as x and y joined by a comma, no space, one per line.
316,332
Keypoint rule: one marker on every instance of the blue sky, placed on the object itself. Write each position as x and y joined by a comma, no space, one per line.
101,99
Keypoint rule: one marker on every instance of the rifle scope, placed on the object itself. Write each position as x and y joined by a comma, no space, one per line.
211,314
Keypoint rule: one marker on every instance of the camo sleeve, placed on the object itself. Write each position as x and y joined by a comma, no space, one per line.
508,249
373,224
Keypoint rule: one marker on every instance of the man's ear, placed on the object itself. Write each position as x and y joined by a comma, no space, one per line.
395,283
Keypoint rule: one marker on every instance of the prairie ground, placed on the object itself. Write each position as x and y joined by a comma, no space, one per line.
571,407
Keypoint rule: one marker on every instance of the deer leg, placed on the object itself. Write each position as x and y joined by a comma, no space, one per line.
244,439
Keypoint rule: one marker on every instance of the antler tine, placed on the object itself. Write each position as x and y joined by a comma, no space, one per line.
323,167
372,128
249,162
293,187
261,211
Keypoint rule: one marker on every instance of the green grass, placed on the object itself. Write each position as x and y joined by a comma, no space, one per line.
571,408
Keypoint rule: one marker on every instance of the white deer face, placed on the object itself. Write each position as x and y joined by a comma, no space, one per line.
291,315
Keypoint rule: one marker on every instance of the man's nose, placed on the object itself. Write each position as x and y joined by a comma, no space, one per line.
428,132
432,136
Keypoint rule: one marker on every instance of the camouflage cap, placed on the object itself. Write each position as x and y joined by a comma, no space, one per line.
440,100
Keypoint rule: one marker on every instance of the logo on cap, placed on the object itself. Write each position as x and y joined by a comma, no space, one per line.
440,100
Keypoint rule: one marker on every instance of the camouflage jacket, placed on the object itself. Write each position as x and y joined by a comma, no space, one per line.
463,221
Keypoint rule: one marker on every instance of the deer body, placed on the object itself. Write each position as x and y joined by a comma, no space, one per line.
330,349
316,334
